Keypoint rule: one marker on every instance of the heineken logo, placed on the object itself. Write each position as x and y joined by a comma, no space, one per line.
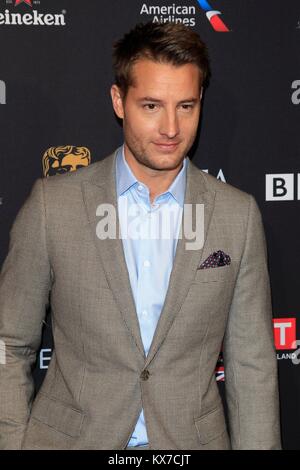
32,18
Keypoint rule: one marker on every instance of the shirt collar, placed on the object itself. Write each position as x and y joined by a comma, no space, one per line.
125,178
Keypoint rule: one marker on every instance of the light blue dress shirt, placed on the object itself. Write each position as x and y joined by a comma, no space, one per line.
149,236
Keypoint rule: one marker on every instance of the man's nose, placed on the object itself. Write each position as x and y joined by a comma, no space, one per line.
169,125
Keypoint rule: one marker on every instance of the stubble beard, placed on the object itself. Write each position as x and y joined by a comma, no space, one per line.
142,157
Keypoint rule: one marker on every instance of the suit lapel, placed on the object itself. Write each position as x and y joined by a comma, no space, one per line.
185,262
101,189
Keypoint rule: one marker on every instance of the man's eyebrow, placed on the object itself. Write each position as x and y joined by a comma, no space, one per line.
149,98
190,100
156,100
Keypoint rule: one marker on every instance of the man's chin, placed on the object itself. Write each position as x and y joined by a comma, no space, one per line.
166,163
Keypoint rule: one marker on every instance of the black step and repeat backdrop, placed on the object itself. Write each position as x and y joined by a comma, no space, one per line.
56,116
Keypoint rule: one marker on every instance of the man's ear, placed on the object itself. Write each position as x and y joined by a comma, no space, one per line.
117,101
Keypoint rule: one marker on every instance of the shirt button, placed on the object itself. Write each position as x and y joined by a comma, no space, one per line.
145,374
147,263
144,312
140,187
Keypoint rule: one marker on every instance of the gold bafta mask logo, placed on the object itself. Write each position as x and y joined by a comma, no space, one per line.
59,160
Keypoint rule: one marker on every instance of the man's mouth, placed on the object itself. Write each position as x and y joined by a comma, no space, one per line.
168,147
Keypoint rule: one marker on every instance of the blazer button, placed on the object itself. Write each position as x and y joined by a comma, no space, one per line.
145,375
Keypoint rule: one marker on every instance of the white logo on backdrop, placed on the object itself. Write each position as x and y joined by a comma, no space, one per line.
2,92
24,14
174,13
296,94
282,187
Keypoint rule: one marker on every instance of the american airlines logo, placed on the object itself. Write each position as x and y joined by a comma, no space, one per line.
173,13
2,92
214,17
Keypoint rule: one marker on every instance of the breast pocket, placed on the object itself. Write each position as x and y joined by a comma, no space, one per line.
222,273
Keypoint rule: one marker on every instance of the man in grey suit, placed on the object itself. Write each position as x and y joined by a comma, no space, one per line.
139,321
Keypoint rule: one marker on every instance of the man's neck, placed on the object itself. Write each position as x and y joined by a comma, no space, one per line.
158,181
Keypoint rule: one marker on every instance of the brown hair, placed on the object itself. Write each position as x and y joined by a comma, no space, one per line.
167,42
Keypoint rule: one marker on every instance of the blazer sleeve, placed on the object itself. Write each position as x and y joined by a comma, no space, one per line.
251,382
24,292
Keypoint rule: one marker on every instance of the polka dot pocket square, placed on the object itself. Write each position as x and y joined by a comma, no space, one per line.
215,260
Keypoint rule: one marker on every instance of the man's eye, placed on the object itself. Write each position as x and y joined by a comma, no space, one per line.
150,106
187,107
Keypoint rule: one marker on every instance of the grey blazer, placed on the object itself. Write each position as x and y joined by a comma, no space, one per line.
99,379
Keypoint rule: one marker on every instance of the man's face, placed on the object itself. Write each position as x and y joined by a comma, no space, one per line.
160,113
